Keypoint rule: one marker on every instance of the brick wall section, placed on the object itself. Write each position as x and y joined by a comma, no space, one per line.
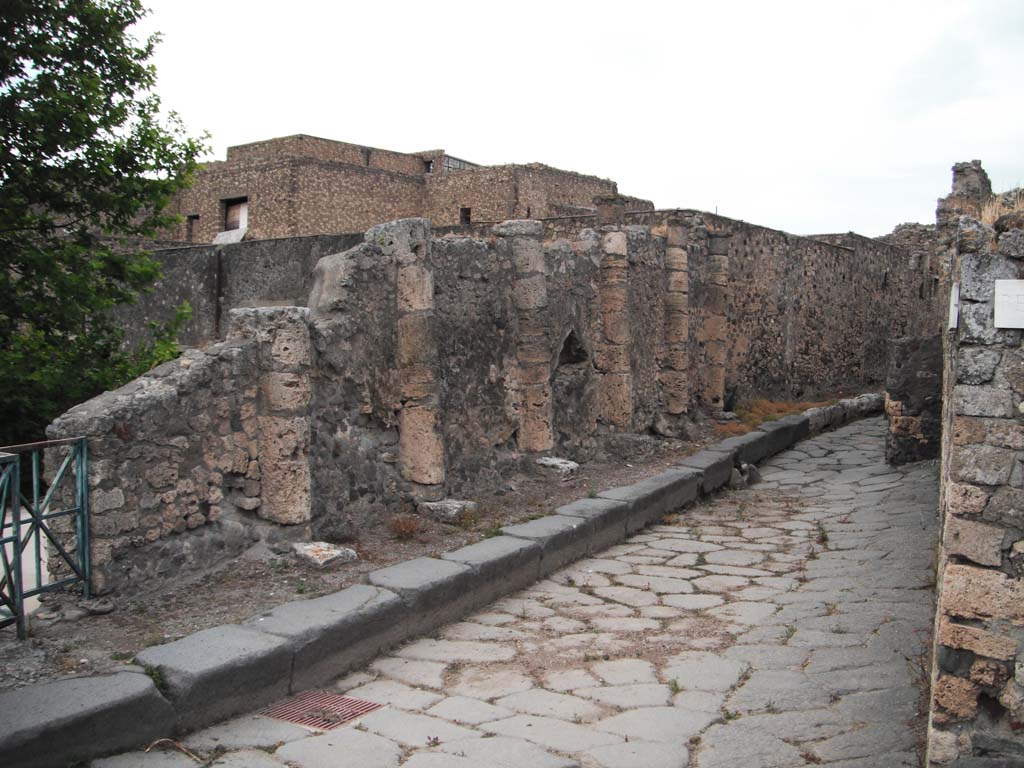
298,196
301,146
978,677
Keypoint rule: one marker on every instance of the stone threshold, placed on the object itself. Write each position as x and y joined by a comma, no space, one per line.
214,674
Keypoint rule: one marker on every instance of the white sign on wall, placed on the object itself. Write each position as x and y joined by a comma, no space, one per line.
1009,304
954,306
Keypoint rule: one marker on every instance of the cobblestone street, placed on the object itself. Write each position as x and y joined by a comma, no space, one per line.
781,626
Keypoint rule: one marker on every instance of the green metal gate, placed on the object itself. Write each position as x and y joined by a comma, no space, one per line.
28,511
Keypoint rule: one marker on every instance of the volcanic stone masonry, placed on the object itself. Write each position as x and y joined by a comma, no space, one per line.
978,677
426,361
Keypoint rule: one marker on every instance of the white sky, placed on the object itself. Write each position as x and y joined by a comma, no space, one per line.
804,116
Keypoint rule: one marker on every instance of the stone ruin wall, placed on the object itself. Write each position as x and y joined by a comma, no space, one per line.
977,707
426,362
914,385
189,460
214,279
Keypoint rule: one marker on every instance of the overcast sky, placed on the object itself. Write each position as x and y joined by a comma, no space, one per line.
808,117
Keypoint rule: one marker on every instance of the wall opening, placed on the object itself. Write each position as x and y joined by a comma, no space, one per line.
573,394
236,213
572,352
366,156
465,216
428,166
190,227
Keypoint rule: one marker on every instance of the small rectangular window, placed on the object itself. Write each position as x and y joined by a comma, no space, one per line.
465,216
428,166
236,213
191,221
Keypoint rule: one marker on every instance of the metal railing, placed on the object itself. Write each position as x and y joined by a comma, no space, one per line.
28,511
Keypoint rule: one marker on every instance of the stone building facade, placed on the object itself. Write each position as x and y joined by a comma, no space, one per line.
303,185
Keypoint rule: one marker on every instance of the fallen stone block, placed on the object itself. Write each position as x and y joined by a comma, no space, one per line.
321,554
331,635
608,518
737,480
500,565
448,510
562,539
435,591
74,720
715,466
219,672
563,467
656,496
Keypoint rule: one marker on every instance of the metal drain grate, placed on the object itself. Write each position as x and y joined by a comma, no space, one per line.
319,709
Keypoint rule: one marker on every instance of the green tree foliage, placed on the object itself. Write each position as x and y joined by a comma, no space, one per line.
86,159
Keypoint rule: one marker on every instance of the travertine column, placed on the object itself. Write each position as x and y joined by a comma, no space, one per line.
533,345
286,355
616,392
715,327
421,451
675,364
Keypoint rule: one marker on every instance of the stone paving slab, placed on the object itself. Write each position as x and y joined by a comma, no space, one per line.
673,649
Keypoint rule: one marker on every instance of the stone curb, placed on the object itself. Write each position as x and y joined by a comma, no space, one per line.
220,672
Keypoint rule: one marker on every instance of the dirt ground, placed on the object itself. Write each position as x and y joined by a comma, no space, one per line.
76,643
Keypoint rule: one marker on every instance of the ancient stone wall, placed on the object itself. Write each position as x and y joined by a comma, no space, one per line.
429,362
978,676
187,461
913,399
774,314
214,279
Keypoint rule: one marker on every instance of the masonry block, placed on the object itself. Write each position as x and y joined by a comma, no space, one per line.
747,449
562,539
220,672
333,634
436,591
500,565
608,518
73,720
652,498
716,466
784,432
